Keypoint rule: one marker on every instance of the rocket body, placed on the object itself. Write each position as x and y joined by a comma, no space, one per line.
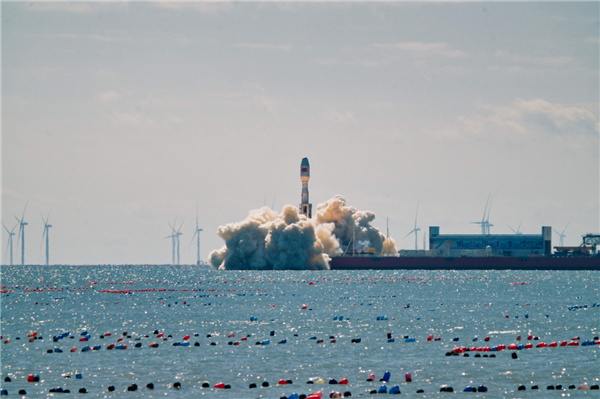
305,207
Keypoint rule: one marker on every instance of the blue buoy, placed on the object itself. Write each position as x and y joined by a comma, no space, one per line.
395,390
482,388
386,376
382,389
409,340
283,341
79,376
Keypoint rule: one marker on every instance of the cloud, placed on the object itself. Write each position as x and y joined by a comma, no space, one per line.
438,49
340,116
553,61
109,96
524,117
76,7
263,46
205,7
8,193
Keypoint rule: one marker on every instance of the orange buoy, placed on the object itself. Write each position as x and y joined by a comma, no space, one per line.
73,349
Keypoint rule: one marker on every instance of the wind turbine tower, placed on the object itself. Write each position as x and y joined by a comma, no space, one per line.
416,229
22,225
197,236
10,241
46,233
562,235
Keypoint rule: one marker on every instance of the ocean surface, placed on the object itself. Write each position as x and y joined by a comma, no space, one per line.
179,301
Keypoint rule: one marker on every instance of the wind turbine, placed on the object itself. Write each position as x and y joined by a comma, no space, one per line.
10,241
518,231
173,236
562,235
485,223
46,233
416,229
177,234
21,233
197,236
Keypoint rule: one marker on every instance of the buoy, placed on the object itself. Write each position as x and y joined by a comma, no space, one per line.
154,345
132,388
319,381
78,376
265,384
111,388
564,343
316,395
333,381
3,392
371,377
386,377
382,389
541,345
395,390
187,337
408,377
177,385
82,390
150,386
482,388
73,349
343,381
282,382
430,337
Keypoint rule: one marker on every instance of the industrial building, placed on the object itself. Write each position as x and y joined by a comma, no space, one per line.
490,244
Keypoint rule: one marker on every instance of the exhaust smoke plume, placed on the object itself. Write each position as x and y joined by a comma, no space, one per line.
266,240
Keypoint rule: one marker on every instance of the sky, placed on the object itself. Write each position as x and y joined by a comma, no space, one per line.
120,117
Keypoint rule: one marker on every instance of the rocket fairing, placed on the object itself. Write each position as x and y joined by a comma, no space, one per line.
305,207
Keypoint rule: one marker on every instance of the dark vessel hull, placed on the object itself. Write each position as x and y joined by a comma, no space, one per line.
464,263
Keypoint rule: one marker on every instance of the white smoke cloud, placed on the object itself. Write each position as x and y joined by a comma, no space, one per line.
266,240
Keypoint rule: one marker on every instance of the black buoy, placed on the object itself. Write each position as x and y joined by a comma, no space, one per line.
82,390
111,388
289,382
420,391
514,355
150,386
448,354
138,345
49,351
177,385
571,386
196,343
477,355
283,397
230,343
3,392
272,333
213,344
492,355
155,332
303,396
102,337
559,387
265,384
205,385
373,392
22,392
347,394
253,385
208,336
466,355
522,388
7,379
309,382
132,388
124,333
550,388
227,386
534,387
595,387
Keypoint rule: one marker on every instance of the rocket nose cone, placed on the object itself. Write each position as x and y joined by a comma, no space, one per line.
304,162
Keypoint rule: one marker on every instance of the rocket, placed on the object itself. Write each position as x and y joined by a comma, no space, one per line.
305,208
304,176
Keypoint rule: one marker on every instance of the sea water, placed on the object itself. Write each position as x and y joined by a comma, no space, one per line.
181,301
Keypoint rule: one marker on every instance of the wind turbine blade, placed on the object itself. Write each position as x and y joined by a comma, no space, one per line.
6,228
180,226
519,228
485,209
556,231
23,217
171,236
513,229
43,236
192,241
412,231
489,209
563,232
417,214
172,228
